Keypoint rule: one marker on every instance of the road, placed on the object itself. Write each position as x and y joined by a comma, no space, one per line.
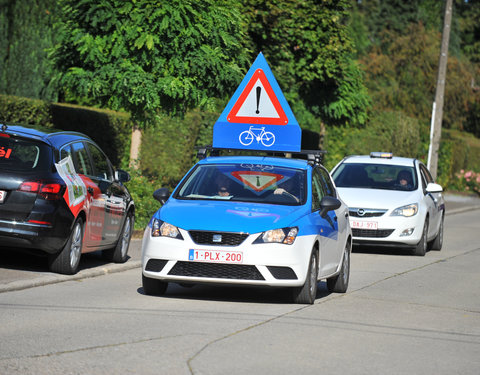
401,315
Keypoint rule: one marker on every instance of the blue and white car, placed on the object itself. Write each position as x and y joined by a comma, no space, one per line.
393,201
271,221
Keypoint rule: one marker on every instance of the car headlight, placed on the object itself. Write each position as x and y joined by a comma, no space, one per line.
163,229
282,235
408,210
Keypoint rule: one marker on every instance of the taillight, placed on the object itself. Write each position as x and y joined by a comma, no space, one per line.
51,188
50,191
32,187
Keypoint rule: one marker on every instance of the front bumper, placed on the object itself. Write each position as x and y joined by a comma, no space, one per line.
263,264
395,231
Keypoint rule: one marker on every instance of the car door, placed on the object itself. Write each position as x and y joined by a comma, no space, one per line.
96,199
327,227
115,204
431,200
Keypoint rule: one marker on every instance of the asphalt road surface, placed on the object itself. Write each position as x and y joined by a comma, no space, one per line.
401,315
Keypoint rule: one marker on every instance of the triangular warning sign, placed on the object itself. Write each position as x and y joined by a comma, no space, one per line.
257,181
258,104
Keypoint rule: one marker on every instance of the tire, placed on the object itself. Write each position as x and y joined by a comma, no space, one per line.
307,293
268,139
66,261
421,248
437,243
246,138
339,283
119,254
153,287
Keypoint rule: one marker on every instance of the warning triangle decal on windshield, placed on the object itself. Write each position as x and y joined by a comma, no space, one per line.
257,181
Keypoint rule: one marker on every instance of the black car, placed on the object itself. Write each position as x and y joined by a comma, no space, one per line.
60,195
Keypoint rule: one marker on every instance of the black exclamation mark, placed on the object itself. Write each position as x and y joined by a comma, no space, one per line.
259,91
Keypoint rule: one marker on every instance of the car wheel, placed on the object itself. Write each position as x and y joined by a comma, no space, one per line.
119,253
307,293
153,287
421,247
66,261
438,241
339,283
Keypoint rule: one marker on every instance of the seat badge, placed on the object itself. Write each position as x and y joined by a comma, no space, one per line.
217,238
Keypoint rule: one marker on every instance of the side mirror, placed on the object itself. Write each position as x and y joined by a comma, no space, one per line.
433,188
161,195
122,176
328,204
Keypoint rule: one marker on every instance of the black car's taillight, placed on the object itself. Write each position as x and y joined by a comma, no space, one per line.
47,190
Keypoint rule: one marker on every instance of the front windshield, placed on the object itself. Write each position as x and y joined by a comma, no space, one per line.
375,176
256,183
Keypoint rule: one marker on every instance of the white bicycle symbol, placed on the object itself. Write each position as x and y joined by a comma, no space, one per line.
246,137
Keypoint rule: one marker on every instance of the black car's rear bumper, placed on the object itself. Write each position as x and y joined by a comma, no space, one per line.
45,237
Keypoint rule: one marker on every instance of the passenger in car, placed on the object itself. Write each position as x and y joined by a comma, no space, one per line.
404,179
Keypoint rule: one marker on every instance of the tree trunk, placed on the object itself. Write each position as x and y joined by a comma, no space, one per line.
135,147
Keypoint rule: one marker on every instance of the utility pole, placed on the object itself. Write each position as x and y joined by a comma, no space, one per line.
437,112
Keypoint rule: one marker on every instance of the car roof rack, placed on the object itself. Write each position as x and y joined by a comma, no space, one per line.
313,157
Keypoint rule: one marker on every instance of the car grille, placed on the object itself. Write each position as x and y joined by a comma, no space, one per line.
353,212
381,233
155,265
216,270
227,239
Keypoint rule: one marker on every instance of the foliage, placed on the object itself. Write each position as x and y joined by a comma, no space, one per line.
311,55
141,189
386,131
20,110
167,154
468,181
111,130
469,14
144,56
27,29
405,79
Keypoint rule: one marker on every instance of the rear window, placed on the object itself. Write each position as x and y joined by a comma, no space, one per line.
23,155
375,176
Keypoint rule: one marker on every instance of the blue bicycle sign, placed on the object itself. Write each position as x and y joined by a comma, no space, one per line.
259,134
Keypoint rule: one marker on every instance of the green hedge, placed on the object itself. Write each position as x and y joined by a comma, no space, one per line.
111,130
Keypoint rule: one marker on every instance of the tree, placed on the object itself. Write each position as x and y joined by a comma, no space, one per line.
27,31
147,57
312,56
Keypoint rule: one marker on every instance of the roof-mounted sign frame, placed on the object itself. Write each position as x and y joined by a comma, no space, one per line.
258,116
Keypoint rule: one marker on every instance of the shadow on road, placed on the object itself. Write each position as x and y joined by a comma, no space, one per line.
233,293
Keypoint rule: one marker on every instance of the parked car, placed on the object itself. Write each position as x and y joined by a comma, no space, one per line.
393,201
250,220
60,195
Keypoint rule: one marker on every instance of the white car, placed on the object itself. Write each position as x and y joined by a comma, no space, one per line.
393,201
250,220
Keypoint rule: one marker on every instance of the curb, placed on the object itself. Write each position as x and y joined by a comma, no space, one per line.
57,278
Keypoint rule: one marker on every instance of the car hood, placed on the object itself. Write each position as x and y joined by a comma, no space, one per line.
377,198
229,216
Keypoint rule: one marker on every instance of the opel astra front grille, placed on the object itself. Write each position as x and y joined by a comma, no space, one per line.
381,233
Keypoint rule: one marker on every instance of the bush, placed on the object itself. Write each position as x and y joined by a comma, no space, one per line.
141,188
386,131
468,181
